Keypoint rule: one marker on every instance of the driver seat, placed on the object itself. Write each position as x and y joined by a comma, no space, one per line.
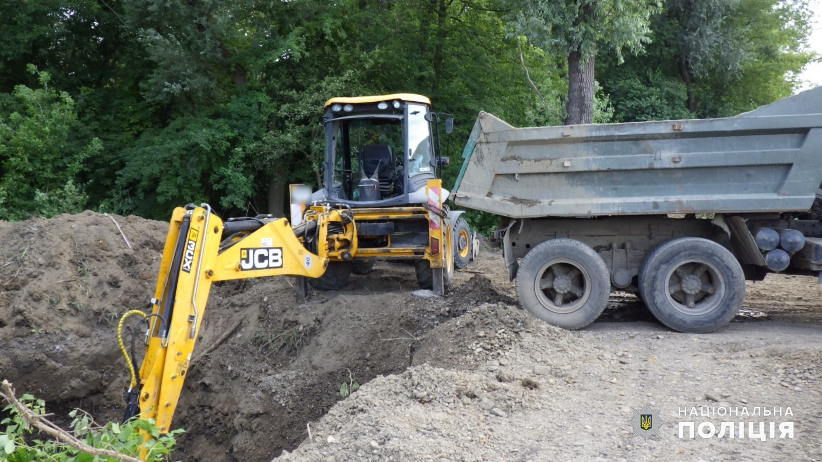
379,159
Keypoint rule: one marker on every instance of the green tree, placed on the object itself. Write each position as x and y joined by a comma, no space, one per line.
730,57
649,97
42,150
774,35
578,30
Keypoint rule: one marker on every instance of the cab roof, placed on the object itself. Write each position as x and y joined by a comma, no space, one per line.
410,97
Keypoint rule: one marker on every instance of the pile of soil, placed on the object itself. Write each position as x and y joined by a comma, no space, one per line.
550,394
63,284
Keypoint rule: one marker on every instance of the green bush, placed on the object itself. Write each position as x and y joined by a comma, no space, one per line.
18,442
42,150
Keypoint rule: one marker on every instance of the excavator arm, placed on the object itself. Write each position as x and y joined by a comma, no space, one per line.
200,249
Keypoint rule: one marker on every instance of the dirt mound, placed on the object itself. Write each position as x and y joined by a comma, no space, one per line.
63,284
478,290
423,413
470,374
487,331
289,361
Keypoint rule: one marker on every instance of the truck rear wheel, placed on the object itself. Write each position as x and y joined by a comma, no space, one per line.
462,244
335,277
563,282
692,285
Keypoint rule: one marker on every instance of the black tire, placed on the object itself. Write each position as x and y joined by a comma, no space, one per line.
450,261
463,247
425,274
362,266
335,277
585,283
692,285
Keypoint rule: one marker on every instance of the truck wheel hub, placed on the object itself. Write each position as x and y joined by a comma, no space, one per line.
562,284
691,285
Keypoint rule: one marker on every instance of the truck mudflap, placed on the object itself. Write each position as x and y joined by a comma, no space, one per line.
511,263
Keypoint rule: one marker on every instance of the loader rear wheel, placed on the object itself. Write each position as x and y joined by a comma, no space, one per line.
462,244
692,285
425,275
563,282
362,266
335,277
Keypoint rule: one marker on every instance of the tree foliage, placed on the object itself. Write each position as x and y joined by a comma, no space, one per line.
729,55
42,149
577,30
20,443
140,106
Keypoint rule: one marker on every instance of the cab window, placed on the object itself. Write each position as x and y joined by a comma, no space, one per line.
419,141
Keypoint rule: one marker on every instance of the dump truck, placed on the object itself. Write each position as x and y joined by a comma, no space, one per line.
679,212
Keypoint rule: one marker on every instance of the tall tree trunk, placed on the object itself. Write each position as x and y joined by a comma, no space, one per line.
580,105
686,77
442,10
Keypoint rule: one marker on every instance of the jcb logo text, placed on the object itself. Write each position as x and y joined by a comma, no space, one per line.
261,258
188,255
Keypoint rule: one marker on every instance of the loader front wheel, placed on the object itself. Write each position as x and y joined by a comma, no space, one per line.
335,277
563,282
462,244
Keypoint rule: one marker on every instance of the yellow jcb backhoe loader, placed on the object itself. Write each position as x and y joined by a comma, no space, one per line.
380,158
388,214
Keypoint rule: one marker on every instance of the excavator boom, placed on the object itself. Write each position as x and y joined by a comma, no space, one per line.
200,249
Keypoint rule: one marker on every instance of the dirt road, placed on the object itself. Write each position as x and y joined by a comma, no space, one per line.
495,384
468,376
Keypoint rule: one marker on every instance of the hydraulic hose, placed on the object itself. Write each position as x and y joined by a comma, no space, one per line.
132,374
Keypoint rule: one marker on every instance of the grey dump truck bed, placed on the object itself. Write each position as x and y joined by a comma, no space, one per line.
769,159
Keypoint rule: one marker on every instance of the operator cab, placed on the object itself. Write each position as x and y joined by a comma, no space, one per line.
378,150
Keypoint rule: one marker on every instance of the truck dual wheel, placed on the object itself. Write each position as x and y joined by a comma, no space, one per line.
335,277
462,244
563,282
692,285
